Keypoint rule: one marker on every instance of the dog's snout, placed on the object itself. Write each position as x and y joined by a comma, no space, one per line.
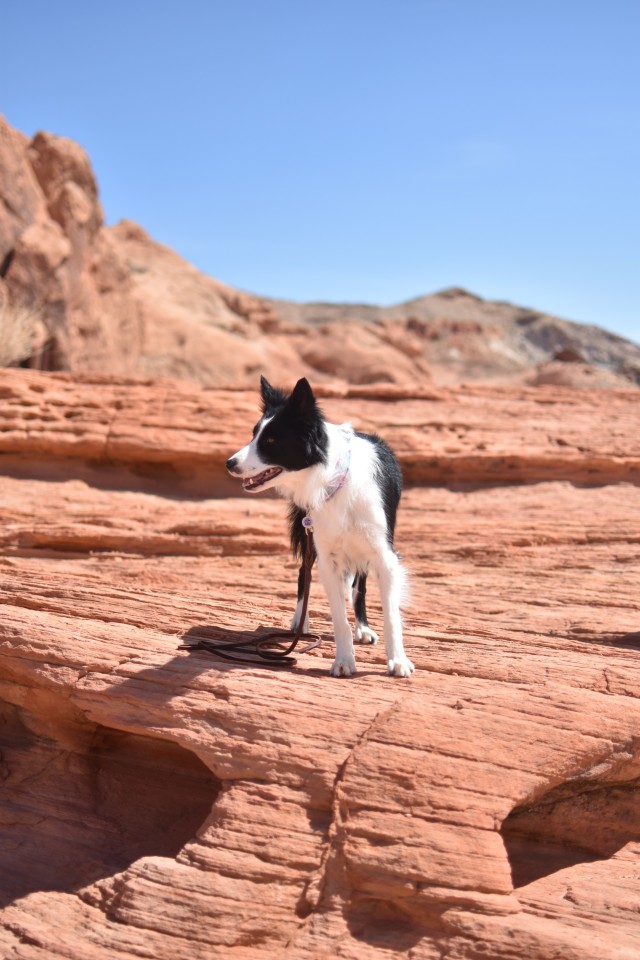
232,465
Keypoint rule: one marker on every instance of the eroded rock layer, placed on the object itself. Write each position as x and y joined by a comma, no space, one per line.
155,802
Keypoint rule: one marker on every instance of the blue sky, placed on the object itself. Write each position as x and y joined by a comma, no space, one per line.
361,150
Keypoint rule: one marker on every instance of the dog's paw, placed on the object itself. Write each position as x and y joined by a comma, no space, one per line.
400,667
343,667
364,634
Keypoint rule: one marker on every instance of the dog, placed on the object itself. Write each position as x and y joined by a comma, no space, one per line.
346,486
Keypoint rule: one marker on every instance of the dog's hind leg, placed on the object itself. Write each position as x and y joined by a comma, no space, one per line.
364,633
298,613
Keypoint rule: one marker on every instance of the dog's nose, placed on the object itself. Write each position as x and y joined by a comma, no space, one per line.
231,465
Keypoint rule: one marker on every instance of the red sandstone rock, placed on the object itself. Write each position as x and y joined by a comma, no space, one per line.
581,375
176,438
156,802
23,201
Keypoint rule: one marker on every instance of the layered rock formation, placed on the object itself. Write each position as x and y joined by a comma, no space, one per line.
110,300
158,803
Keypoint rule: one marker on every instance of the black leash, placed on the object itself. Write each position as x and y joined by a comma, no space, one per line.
275,647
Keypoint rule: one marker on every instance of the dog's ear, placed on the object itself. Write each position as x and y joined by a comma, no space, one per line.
302,398
271,396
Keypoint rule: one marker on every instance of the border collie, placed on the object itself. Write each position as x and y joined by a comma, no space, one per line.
346,487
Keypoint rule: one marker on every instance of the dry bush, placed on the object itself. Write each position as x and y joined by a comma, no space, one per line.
17,328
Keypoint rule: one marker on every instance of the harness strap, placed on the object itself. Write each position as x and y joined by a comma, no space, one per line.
338,479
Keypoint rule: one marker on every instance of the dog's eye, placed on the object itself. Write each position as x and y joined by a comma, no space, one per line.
269,440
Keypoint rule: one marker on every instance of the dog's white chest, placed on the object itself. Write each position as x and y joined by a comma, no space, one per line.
346,541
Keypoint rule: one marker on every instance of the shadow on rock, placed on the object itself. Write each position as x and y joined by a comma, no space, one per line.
626,641
80,801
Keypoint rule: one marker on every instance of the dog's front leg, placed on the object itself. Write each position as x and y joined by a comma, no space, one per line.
391,580
298,612
333,582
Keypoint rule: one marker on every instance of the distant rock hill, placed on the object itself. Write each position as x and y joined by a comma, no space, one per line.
81,296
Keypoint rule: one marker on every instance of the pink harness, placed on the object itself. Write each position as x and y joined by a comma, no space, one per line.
336,483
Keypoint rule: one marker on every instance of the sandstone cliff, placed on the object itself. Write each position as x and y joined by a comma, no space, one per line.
111,300
158,803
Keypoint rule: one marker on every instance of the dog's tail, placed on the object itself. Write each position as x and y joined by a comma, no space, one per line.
405,591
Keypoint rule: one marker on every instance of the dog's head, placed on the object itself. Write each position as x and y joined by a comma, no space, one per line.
290,436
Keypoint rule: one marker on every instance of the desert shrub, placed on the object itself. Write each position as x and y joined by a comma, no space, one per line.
17,326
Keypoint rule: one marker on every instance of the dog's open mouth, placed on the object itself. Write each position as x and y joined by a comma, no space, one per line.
252,483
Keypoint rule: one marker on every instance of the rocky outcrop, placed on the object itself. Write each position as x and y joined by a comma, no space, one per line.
109,300
174,439
459,336
157,802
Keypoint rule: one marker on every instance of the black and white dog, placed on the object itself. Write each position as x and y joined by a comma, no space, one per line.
347,486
